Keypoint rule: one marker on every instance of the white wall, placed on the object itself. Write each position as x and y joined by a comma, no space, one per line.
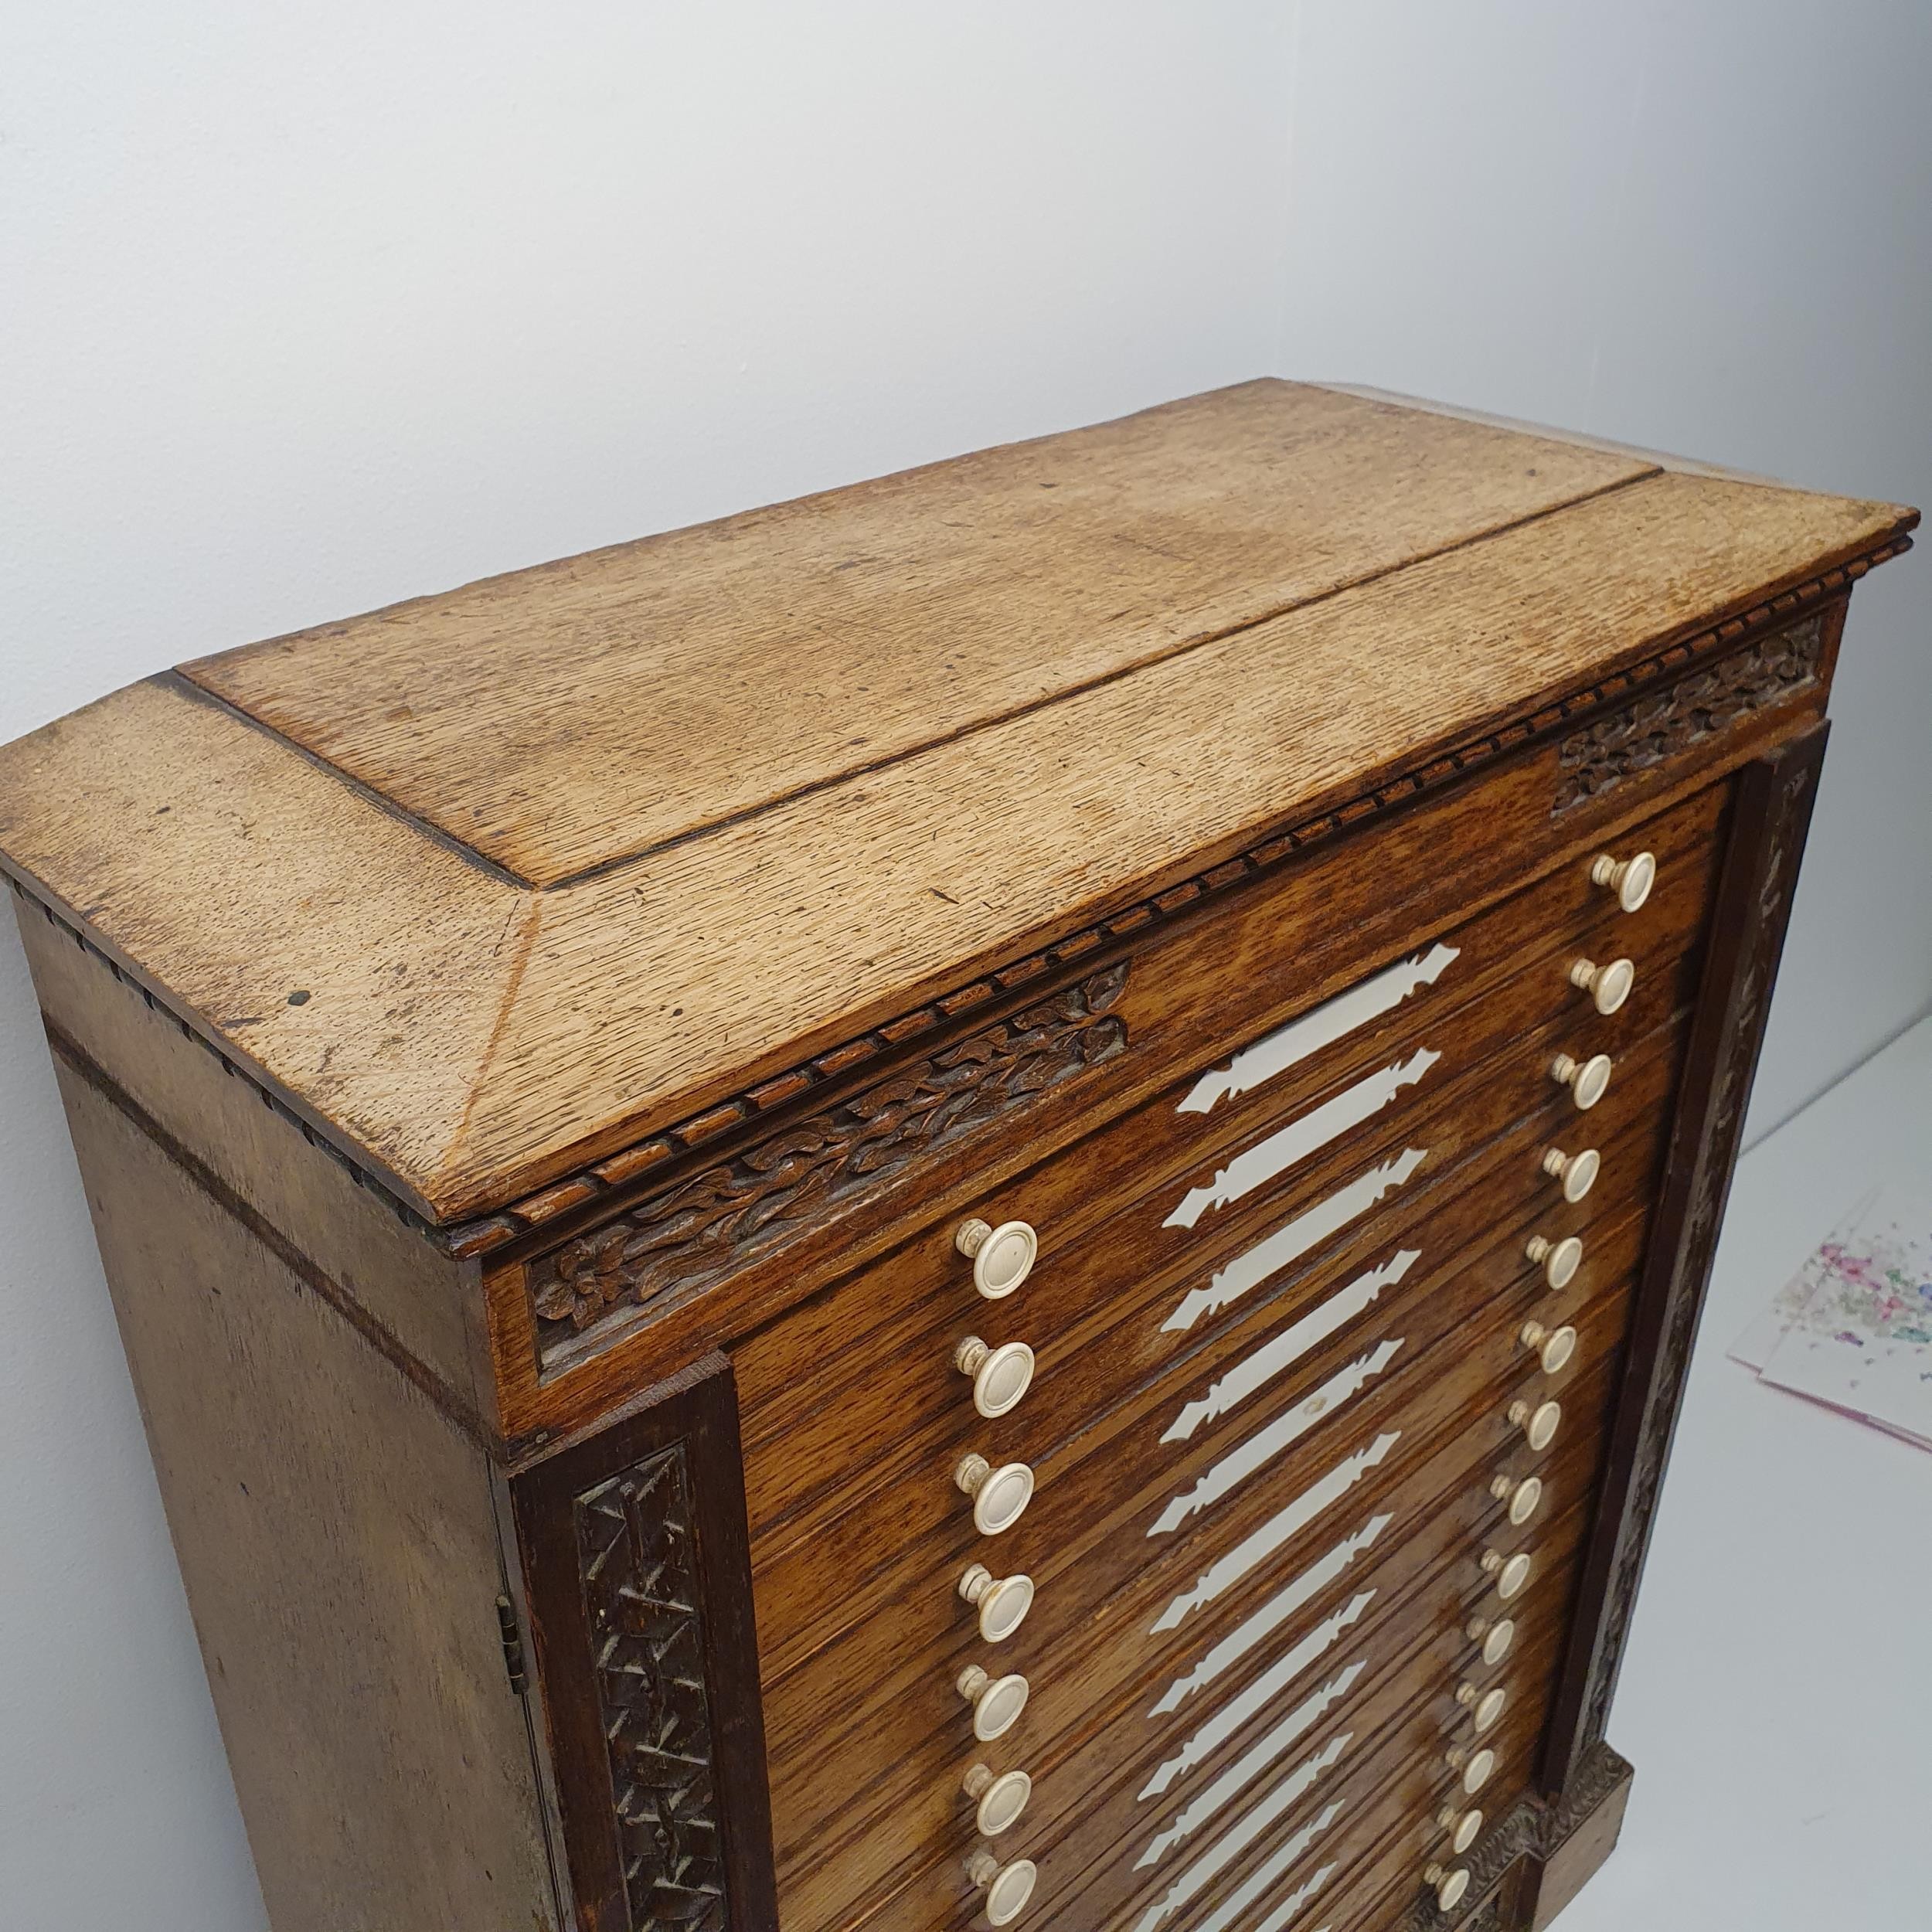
308,309
1703,228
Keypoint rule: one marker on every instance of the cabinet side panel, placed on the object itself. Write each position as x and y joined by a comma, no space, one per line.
336,1534
418,1295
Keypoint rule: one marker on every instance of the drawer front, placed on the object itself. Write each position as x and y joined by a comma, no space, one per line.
1301,1297
1506,980
1107,1800
1168,1642
1101,1378
1091,1552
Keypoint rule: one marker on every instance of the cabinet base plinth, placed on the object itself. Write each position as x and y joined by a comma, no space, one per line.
1582,1837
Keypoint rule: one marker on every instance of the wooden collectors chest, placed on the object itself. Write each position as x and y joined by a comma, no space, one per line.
981,1199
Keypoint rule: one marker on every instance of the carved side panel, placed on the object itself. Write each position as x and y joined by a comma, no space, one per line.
637,1560
700,1229
638,1578
1662,723
1771,816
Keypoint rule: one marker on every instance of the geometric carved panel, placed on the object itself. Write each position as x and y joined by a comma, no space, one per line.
639,1569
636,1567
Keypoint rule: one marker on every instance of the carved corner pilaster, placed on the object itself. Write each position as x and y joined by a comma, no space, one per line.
1771,815
638,1574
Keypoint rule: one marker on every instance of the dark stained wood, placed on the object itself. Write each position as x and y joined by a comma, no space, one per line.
923,1635
638,1583
815,1446
1584,1833
1766,843
909,1740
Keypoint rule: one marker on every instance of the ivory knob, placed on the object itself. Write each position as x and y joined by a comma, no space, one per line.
1577,1172
1522,1497
1002,1256
999,1800
1002,1602
1607,986
1486,1705
1450,1886
1000,1496
1001,1375
1495,1638
1512,1573
1476,1767
1560,1259
1629,879
1554,1346
1007,1887
1588,1080
997,1701
1463,1828
1539,1424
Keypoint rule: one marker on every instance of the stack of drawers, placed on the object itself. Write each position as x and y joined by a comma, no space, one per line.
1188,1533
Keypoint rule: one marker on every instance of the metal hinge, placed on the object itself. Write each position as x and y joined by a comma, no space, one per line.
513,1645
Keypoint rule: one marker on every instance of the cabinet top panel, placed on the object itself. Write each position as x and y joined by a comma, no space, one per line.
498,879
570,717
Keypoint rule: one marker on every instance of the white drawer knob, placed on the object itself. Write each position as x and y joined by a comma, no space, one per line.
1000,1496
1560,1259
1495,1638
1554,1346
1463,1828
1007,1887
1629,879
1607,986
997,1701
1450,1886
1522,1497
1001,1375
1487,1705
1003,1257
1539,1424
1577,1172
1002,1601
1588,1080
1510,1572
1000,1800
1475,1767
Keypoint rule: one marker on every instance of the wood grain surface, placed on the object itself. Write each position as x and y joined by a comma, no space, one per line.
565,718
337,1536
475,1037
1094,1733
1102,1207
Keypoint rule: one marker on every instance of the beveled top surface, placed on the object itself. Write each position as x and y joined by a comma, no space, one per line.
568,717
631,830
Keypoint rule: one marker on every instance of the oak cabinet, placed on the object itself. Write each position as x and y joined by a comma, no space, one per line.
979,1200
